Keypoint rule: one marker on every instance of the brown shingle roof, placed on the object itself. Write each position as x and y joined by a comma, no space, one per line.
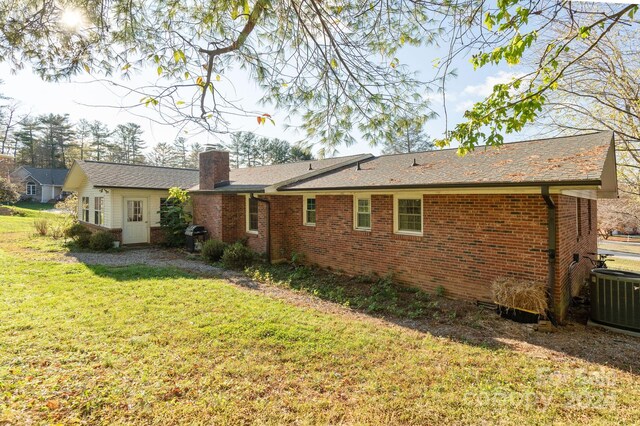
114,175
258,178
558,160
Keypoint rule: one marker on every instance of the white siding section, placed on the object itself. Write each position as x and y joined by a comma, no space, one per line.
46,193
87,190
152,197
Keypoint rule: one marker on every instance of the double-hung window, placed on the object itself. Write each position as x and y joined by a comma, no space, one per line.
408,215
85,209
98,210
31,188
252,215
310,211
362,208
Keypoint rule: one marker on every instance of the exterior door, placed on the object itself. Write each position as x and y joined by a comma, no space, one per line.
135,229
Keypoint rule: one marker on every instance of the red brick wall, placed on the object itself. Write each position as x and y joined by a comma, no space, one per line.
224,216
468,240
117,232
214,168
157,235
569,243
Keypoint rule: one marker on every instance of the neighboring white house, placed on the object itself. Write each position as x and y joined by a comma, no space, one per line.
125,199
38,184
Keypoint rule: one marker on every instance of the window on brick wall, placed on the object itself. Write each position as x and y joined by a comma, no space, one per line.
85,209
362,209
589,220
310,211
252,215
408,215
579,217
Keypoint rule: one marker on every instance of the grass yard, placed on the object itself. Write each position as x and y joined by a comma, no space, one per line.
627,248
32,205
138,345
624,264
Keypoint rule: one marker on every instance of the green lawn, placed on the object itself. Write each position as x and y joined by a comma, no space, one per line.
102,345
625,264
32,205
627,248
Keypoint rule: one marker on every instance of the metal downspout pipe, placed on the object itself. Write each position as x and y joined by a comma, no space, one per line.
551,246
268,203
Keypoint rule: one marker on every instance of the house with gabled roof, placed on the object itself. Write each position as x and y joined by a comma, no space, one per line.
125,199
433,219
38,184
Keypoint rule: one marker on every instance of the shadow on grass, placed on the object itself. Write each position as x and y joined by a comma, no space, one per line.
460,321
139,272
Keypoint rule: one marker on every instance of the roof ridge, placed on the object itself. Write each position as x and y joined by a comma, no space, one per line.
136,165
503,144
302,161
43,168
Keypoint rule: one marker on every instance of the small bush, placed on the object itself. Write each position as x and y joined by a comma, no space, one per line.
42,226
83,240
77,231
520,294
80,234
101,241
212,250
237,255
57,230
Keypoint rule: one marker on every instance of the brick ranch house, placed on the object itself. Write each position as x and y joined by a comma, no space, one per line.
432,219
125,199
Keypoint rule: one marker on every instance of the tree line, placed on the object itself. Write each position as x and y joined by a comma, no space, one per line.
54,141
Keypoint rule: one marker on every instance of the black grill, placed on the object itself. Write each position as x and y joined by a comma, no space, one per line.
194,234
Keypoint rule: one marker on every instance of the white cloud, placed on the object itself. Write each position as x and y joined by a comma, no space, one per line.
463,106
473,93
485,88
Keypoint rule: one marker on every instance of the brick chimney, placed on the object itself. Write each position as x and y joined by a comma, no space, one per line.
214,169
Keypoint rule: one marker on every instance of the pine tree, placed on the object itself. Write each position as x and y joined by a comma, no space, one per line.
57,133
100,135
162,154
181,152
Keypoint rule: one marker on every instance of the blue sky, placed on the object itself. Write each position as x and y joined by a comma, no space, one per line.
39,97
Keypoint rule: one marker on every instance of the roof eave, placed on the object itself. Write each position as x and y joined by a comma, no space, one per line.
594,183
228,191
152,188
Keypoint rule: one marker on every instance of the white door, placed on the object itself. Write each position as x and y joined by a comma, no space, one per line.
136,226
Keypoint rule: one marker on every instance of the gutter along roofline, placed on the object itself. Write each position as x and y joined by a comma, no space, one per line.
588,183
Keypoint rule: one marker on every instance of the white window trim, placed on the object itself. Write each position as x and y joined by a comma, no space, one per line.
35,188
408,196
304,210
357,197
88,209
100,212
246,214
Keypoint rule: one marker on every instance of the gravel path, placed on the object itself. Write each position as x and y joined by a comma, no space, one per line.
162,258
